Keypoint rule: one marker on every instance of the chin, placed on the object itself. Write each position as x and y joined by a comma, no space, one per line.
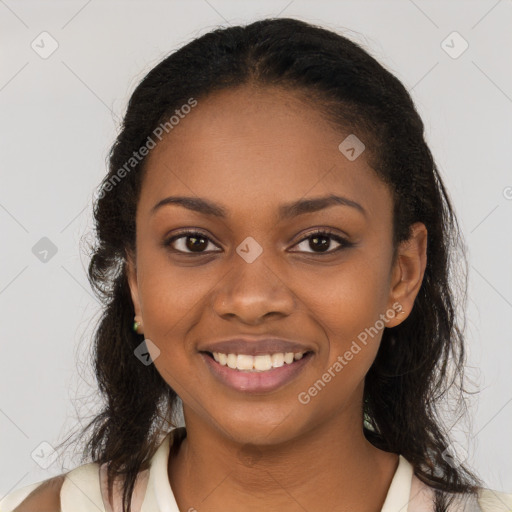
262,429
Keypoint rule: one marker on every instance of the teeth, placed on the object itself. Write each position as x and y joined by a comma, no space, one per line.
261,363
277,360
231,362
244,362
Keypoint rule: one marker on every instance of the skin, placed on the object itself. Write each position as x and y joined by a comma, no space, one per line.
251,150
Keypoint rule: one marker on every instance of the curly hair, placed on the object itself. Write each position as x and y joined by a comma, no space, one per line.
418,361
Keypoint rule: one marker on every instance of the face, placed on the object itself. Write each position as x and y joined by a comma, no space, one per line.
253,267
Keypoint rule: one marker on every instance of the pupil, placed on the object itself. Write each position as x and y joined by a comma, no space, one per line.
324,244
193,246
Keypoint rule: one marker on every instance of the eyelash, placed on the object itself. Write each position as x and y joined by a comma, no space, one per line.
320,232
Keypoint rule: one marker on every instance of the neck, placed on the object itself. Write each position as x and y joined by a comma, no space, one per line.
330,466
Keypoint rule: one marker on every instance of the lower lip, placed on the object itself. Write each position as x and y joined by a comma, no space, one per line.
256,382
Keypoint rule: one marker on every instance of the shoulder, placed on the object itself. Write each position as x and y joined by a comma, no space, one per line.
72,491
45,496
494,501
485,500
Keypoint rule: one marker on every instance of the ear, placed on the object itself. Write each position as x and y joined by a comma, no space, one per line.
131,276
407,273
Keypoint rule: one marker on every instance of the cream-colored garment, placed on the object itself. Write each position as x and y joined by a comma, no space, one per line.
85,490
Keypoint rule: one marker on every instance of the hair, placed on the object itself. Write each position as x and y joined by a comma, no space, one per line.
418,361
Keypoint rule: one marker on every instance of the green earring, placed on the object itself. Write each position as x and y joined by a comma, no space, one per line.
136,326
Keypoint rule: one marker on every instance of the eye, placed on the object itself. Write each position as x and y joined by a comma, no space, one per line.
194,242
321,239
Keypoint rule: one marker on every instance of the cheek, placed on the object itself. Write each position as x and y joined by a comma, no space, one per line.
347,299
172,301
171,295
347,303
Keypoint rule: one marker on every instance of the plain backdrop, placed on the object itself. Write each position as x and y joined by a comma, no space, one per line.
59,116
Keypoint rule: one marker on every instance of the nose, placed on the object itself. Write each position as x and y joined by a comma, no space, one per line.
252,291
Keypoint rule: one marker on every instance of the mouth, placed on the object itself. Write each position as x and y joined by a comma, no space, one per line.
256,374
259,363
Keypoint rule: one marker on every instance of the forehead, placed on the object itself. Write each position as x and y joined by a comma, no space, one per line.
251,146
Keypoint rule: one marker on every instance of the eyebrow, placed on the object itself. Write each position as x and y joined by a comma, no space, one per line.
286,211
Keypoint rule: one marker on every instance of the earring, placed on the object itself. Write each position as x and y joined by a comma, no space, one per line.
136,325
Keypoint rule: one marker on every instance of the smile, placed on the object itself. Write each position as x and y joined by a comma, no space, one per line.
256,374
260,363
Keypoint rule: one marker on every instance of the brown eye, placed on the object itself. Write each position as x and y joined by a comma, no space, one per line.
320,241
190,242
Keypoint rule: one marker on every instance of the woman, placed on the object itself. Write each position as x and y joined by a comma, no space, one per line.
274,246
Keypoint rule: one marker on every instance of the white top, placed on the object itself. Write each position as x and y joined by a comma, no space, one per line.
84,490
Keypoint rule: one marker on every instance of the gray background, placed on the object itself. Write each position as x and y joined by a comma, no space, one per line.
59,118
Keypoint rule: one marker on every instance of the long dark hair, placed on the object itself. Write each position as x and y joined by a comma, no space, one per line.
418,362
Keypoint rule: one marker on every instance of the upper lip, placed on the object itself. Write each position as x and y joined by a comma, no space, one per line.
254,346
